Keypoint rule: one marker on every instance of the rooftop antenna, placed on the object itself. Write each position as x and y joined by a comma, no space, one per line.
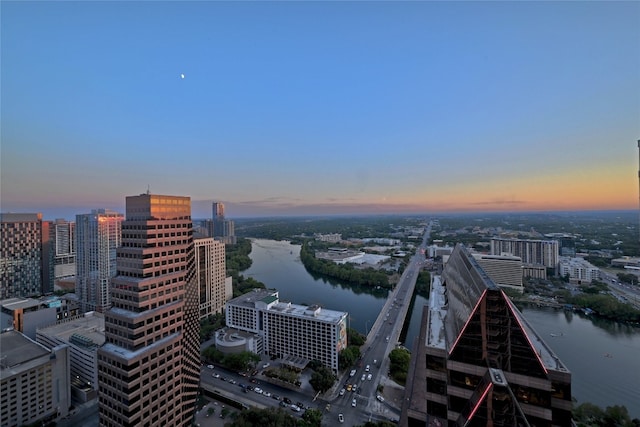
149,187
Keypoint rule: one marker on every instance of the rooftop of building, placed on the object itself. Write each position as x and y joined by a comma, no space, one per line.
90,326
17,351
271,299
313,311
250,298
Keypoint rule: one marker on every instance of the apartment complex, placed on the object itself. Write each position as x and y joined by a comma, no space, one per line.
296,334
98,235
34,381
210,274
21,262
579,270
149,366
478,362
83,335
534,252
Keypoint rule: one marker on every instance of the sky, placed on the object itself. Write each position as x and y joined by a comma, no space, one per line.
315,108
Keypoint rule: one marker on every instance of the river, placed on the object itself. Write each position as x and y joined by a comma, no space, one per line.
603,356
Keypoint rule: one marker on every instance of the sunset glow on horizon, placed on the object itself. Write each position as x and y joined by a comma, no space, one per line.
314,108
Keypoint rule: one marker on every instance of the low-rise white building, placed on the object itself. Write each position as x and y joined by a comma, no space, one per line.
578,269
290,330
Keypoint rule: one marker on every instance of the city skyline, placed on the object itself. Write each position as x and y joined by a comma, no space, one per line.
315,108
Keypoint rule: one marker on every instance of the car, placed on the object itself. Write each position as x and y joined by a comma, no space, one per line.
300,404
282,404
266,365
287,400
210,366
363,377
216,375
367,368
387,339
340,418
249,387
353,402
266,393
369,377
380,398
354,388
349,387
275,396
352,373
258,390
242,385
375,361
342,392
295,408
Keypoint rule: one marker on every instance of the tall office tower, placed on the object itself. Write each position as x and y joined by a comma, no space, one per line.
63,251
98,235
478,362
21,269
149,366
217,210
223,229
210,275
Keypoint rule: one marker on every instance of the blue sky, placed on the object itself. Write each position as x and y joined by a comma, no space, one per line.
320,107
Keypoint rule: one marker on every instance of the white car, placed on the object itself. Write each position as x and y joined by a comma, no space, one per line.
258,390
342,392
340,418
353,403
369,377
380,398
295,408
367,368
266,393
364,377
352,373
210,366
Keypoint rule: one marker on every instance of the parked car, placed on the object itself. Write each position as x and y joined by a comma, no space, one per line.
340,418
380,398
295,408
342,392
353,402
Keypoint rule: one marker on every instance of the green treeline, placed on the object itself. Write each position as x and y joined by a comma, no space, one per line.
345,272
237,259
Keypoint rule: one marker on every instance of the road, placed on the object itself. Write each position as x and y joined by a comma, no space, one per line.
357,406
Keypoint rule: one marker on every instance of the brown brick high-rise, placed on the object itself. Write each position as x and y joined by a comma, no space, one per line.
149,367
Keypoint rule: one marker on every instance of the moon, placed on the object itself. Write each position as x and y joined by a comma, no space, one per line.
182,76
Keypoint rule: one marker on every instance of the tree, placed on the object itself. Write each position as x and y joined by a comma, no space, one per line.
355,338
322,379
270,417
399,366
311,418
348,356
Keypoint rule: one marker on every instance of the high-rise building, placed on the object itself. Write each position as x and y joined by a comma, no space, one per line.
149,366
21,260
210,275
217,209
64,233
478,361
533,252
223,229
98,235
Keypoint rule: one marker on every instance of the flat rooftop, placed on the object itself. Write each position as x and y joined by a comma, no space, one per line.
17,351
308,312
250,298
90,325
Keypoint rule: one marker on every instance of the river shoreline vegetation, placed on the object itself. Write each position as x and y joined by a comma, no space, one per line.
602,236
347,272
